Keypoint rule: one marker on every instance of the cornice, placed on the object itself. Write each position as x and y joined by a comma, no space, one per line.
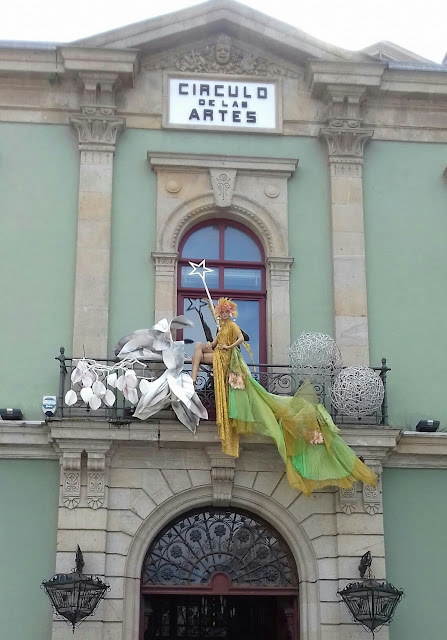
160,160
68,59
386,446
323,73
419,451
28,440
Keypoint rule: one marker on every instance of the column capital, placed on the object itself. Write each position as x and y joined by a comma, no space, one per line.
279,268
345,140
97,132
164,259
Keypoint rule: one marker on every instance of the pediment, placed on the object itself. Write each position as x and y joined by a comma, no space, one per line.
210,19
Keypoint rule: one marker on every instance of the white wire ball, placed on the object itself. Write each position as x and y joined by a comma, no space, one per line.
357,391
315,355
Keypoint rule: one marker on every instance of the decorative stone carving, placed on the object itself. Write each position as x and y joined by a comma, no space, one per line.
272,191
221,57
71,479
348,499
372,496
223,186
96,132
172,186
97,466
222,476
344,141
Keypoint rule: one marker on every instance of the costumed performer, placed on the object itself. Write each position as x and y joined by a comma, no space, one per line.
303,431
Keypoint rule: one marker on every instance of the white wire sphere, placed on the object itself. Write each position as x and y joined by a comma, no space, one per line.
315,355
357,391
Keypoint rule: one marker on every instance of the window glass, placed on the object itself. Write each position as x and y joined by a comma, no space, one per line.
240,246
243,279
203,243
195,282
247,320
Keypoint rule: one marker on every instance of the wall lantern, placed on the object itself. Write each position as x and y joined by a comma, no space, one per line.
371,602
74,595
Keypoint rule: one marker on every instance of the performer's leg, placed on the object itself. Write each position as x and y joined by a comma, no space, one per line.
202,353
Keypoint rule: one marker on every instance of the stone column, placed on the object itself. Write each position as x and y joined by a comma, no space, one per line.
278,329
165,284
97,128
345,139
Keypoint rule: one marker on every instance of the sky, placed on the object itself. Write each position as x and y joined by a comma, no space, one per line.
352,24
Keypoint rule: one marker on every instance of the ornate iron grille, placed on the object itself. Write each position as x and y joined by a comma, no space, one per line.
207,541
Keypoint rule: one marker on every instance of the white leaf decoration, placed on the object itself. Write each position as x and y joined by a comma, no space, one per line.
76,375
109,398
86,394
70,398
111,380
88,379
99,389
120,383
130,379
94,402
132,396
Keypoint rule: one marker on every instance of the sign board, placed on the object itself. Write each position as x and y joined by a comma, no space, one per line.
217,104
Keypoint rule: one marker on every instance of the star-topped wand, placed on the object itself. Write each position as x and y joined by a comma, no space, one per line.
201,270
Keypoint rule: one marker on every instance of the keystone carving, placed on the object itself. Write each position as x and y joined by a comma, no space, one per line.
222,476
223,186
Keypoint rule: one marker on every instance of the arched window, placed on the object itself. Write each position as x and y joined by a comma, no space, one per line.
219,572
237,260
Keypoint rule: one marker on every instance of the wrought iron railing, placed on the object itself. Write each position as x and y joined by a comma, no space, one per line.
278,379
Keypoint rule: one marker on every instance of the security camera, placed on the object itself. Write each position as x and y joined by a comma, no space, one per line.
49,405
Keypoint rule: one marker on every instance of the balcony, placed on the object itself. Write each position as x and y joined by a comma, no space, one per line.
277,379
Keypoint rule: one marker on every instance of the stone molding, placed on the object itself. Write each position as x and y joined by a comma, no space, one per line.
97,60
223,182
203,162
381,447
222,475
243,210
269,509
322,74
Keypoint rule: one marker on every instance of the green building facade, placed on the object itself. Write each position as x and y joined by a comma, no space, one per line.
102,177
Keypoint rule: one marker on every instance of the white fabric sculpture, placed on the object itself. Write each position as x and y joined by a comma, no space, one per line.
174,386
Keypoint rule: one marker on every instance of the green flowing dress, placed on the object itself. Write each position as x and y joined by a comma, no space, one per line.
303,431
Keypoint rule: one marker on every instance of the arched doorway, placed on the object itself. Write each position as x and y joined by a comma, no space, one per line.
237,258
219,573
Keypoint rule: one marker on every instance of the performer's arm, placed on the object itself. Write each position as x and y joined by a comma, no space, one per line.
239,340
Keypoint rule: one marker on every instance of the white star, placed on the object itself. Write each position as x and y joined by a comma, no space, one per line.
202,266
